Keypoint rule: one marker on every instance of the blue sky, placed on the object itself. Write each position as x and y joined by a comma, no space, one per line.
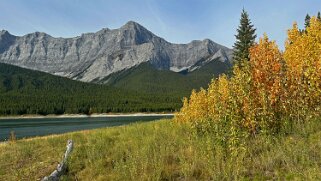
178,21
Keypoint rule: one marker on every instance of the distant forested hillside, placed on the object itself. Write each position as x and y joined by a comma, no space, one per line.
145,78
24,91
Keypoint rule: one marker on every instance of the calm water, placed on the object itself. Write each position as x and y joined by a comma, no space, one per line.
46,126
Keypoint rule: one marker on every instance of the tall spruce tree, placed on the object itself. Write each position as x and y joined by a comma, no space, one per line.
319,16
307,21
245,38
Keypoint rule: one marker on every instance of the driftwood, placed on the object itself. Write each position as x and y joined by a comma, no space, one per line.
62,167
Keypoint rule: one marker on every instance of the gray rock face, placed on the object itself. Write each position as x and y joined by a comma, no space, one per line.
93,56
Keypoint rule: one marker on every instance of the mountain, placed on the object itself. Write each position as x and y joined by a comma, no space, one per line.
24,91
93,57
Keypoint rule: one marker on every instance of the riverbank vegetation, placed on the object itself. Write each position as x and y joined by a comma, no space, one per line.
166,150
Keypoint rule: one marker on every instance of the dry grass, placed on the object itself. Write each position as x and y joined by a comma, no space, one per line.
164,150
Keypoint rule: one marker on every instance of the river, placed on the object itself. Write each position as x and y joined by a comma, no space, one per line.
30,127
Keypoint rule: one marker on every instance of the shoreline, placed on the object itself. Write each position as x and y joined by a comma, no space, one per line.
85,116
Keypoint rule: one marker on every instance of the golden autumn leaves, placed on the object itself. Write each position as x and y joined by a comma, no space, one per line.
267,92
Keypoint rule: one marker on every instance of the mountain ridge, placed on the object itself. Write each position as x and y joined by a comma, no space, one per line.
94,56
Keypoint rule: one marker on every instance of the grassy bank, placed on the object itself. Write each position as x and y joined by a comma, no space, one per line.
164,150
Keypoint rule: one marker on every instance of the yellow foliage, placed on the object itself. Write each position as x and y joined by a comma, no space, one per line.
303,68
264,92
195,108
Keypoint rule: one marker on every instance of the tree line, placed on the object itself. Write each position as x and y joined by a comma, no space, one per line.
25,91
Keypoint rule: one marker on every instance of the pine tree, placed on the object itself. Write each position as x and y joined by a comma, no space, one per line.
319,16
244,39
307,21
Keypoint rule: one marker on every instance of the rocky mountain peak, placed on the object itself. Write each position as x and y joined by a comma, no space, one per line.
135,34
5,35
93,56
132,25
104,30
6,40
4,32
41,34
207,41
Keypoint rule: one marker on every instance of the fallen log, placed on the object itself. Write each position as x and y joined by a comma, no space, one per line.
62,166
